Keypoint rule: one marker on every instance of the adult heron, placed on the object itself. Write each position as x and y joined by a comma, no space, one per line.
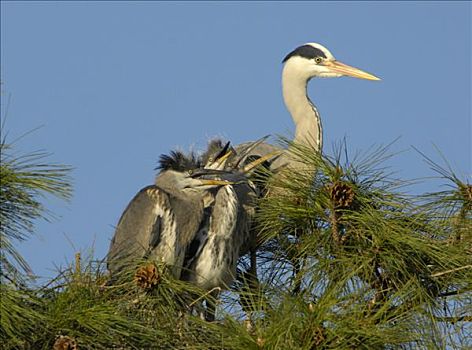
300,66
308,61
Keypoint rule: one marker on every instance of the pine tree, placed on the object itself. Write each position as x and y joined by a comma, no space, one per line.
347,258
24,180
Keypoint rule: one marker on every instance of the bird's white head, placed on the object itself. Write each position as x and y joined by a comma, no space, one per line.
314,60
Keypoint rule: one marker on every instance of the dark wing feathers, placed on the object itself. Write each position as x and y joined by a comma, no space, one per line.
156,230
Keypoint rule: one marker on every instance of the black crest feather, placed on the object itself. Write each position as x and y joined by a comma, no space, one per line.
306,51
178,161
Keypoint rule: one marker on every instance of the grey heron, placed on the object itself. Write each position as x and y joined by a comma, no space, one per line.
308,61
225,234
161,220
218,247
300,66
195,219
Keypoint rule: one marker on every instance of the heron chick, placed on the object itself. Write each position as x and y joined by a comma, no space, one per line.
162,219
226,232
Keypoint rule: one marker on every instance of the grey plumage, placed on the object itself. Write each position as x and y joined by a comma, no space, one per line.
220,241
161,221
227,232
227,235
164,222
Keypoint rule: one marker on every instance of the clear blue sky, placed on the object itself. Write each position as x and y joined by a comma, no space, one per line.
115,84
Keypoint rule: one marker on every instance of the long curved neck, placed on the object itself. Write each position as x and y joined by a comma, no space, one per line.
305,116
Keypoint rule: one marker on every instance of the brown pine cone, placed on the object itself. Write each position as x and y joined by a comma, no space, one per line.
147,276
63,342
342,194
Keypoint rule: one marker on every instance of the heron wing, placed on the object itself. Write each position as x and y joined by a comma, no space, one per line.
140,228
188,215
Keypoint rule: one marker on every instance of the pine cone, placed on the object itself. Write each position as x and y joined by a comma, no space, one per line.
342,194
147,276
63,342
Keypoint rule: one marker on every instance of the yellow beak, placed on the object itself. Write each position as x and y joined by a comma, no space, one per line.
260,160
222,160
344,69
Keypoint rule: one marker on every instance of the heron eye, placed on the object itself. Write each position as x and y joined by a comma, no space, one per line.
318,60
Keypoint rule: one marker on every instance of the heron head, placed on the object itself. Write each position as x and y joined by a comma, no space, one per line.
314,60
189,181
